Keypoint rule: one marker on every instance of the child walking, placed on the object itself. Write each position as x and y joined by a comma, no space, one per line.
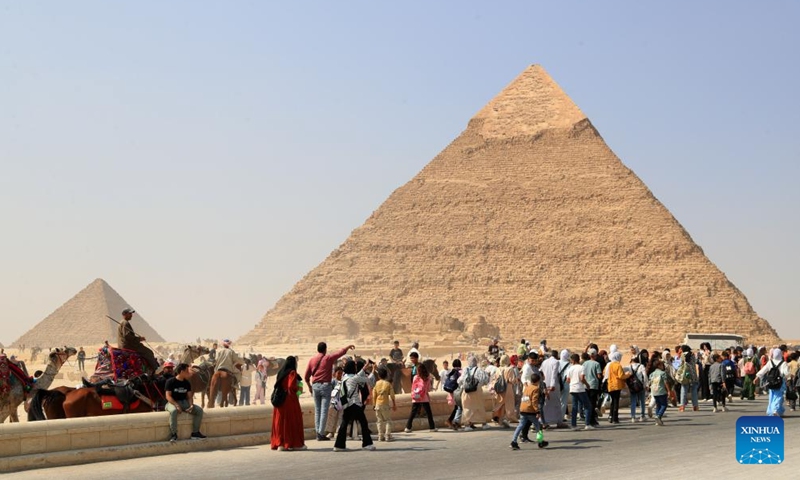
381,394
529,411
420,398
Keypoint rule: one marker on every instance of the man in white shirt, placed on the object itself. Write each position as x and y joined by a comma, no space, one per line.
414,349
577,390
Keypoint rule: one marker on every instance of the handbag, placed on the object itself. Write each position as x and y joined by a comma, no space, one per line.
278,396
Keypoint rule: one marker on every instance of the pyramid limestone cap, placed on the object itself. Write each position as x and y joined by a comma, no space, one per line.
529,105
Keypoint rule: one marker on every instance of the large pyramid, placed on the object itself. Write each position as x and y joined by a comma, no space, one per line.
527,225
82,320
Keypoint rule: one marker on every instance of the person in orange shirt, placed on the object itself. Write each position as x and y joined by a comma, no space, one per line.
616,382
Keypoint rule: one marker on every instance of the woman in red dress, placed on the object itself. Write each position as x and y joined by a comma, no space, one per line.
287,419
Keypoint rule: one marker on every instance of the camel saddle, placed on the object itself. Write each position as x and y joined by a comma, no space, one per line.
115,395
7,369
118,364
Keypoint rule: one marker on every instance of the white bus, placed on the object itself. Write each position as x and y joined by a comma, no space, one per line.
718,341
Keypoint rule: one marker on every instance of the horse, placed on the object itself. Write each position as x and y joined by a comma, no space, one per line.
56,359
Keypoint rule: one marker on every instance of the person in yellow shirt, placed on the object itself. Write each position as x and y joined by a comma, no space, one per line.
616,382
381,394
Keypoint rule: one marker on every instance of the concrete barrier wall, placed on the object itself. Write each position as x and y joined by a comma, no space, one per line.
94,439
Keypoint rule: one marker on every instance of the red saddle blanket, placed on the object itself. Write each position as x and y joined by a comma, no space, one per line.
7,369
118,364
110,402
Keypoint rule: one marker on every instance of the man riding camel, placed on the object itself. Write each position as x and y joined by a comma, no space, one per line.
228,360
129,340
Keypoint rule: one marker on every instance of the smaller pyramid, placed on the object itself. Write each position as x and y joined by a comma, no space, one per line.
82,320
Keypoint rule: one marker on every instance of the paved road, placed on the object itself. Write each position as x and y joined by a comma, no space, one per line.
700,441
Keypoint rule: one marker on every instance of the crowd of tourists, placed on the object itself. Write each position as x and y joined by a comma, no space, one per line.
537,388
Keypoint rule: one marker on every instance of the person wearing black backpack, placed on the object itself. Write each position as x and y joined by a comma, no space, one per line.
772,377
451,387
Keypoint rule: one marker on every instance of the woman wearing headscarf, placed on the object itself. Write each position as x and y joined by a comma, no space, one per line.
504,410
563,366
261,383
551,370
775,406
616,381
287,418
353,382
473,409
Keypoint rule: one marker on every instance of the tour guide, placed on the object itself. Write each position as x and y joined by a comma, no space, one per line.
180,400
129,340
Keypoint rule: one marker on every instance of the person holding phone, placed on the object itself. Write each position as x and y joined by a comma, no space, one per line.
180,399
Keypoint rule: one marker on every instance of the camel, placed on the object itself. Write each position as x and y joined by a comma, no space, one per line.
135,395
8,406
401,377
66,402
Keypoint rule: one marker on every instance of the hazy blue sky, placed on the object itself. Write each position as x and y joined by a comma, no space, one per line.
203,156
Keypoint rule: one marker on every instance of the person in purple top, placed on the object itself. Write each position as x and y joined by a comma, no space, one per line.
318,374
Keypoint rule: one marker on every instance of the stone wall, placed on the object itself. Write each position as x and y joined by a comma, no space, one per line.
50,443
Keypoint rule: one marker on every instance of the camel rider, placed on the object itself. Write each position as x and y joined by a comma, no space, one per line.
396,354
414,349
129,340
227,360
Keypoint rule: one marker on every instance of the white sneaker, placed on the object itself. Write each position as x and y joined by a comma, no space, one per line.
589,427
407,430
370,448
714,410
337,449
434,430
485,426
633,420
469,429
724,409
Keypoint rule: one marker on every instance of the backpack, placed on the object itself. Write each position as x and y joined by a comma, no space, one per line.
451,382
730,373
470,382
634,383
684,374
339,396
500,385
749,367
774,380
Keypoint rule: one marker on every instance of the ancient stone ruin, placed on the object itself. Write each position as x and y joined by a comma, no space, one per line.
526,225
82,320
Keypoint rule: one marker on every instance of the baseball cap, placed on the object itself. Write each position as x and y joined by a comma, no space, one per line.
128,310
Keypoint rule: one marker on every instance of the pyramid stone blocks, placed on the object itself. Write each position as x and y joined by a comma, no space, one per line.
526,224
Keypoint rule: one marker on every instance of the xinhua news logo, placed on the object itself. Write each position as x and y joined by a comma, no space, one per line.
759,440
